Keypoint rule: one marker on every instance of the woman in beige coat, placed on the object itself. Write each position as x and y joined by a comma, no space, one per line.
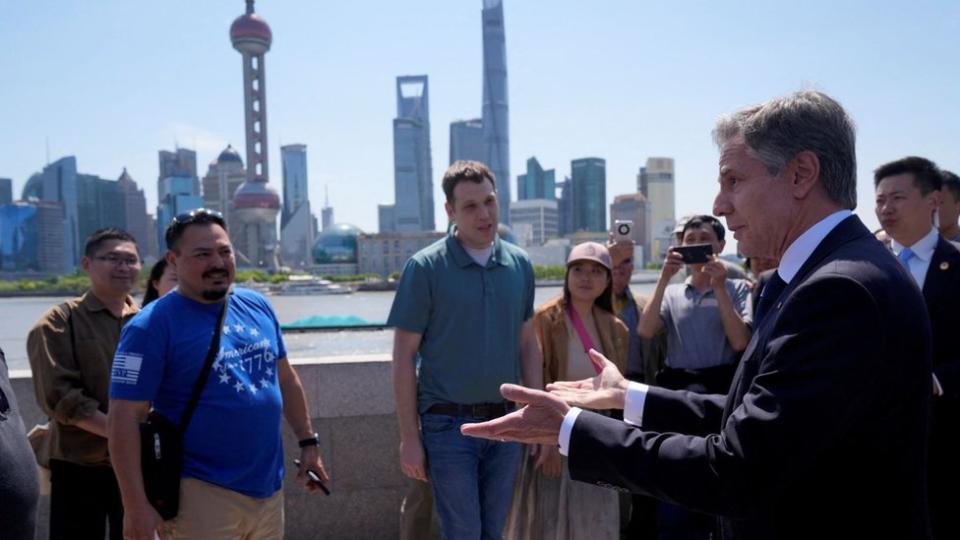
546,502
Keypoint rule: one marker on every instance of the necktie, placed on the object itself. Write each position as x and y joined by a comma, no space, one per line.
905,255
768,297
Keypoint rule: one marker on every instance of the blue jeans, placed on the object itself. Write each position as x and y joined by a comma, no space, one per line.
472,478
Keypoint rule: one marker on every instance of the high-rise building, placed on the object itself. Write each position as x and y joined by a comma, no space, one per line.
589,182
32,237
633,207
541,215
326,212
180,162
657,183
58,183
565,207
386,253
223,179
386,222
135,210
100,203
6,191
536,183
176,197
496,138
412,169
466,140
296,221
255,204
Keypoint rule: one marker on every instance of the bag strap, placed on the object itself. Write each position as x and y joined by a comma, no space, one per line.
207,366
582,332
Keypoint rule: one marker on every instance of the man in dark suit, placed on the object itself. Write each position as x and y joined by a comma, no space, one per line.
823,433
908,195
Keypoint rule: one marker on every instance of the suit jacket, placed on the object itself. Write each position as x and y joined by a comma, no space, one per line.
550,323
823,433
941,291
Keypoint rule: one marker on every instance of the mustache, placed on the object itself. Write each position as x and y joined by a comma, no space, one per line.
216,272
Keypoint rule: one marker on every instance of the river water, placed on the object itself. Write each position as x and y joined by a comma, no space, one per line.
18,315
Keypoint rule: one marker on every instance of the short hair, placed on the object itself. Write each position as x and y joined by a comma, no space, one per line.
776,131
463,170
179,224
696,222
951,182
926,175
100,236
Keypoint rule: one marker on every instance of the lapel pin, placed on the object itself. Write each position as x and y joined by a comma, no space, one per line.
944,265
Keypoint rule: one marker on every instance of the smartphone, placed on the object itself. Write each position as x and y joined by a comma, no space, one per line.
694,253
314,478
622,228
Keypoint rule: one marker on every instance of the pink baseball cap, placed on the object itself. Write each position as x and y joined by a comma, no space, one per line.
590,251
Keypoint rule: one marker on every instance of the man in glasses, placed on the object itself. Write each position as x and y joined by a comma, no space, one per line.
232,472
71,351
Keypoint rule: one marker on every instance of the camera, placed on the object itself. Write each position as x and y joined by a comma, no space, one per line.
622,229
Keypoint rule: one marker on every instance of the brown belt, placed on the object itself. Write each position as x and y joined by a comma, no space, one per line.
476,410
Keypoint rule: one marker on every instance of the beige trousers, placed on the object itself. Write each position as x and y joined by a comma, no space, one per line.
209,512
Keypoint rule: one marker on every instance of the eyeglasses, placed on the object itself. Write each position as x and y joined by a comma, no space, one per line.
116,260
198,216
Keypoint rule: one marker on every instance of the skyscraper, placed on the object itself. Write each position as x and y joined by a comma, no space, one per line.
412,169
540,215
100,203
466,140
326,213
6,191
223,179
58,183
255,204
176,197
536,183
180,162
565,207
32,237
135,210
296,221
496,138
656,182
589,183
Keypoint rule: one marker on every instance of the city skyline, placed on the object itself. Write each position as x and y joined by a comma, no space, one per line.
606,89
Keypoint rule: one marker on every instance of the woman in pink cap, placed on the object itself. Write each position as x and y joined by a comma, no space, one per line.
546,502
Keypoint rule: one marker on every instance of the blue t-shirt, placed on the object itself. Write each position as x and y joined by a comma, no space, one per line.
233,439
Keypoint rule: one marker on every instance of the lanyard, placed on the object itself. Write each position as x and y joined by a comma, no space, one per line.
584,336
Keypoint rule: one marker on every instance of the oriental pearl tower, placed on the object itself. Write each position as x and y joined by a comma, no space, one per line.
255,204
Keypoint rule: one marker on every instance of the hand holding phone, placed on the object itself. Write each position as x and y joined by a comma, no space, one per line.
314,478
694,253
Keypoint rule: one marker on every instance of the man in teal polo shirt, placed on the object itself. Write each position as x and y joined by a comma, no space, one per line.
463,310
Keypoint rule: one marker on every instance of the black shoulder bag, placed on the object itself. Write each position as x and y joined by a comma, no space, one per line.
161,441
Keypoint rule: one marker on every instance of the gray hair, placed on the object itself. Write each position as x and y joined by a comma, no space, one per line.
776,131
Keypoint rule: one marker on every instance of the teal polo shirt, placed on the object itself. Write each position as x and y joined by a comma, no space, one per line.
469,319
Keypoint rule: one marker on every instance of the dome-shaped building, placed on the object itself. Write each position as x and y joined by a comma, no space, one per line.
337,245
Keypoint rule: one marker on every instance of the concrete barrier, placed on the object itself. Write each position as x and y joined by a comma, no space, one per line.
352,407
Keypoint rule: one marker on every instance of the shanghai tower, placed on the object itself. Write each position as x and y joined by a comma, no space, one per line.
496,140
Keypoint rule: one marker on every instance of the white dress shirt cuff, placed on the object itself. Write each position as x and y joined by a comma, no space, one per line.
633,403
566,428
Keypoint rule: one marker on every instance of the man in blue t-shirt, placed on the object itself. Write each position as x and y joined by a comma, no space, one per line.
232,453
464,307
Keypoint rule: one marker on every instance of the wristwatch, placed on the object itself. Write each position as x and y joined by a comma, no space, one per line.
313,440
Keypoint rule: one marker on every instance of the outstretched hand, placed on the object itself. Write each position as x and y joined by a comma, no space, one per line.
605,391
537,422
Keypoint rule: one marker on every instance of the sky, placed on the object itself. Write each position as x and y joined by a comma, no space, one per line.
112,82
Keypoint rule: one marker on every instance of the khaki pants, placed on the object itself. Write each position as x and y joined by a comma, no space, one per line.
209,512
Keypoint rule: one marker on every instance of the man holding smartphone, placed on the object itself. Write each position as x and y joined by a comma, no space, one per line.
707,319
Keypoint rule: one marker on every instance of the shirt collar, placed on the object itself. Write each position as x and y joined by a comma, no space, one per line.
463,259
800,250
92,303
922,248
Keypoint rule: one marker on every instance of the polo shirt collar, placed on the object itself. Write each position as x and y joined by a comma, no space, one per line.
463,259
92,303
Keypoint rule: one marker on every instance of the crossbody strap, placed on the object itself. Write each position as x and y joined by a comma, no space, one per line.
207,365
582,332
